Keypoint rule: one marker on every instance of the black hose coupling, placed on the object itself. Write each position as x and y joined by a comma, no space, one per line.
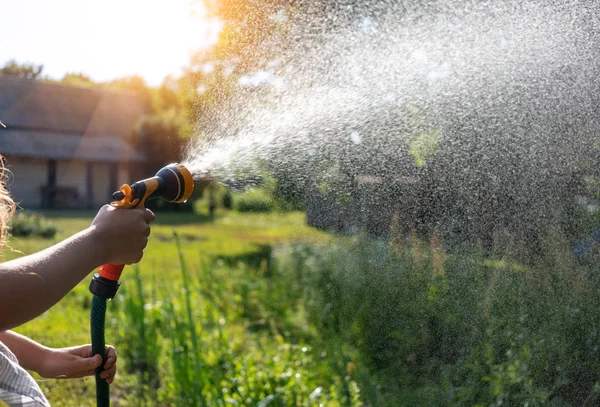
103,287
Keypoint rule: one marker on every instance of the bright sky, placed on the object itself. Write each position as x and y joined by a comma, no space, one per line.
105,39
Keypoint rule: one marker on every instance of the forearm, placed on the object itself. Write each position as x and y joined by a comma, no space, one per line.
30,354
34,283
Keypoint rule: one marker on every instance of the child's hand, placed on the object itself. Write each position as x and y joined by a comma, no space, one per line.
122,233
78,361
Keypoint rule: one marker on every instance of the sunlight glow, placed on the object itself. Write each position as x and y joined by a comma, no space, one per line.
105,39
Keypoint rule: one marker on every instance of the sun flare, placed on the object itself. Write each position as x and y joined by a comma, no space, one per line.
109,39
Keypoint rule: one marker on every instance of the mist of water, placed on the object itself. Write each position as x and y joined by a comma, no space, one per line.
506,92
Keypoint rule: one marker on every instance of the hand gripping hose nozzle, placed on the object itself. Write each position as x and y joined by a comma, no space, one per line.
173,183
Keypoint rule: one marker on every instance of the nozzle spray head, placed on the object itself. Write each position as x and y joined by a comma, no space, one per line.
177,183
173,183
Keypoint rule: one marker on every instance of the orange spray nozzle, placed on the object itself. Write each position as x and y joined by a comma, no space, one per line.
173,183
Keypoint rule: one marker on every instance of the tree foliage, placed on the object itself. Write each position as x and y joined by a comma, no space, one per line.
157,137
138,85
22,70
77,79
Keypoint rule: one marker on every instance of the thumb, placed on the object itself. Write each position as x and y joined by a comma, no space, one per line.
91,363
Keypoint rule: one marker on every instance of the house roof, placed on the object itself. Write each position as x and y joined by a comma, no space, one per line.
58,146
52,121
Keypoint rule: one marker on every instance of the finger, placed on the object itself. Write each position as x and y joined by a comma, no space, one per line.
85,366
137,257
110,362
149,216
90,363
111,357
146,229
109,373
111,352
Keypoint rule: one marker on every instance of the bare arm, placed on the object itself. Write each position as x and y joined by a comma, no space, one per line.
30,354
32,284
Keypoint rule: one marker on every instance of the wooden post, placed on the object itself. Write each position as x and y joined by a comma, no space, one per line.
51,182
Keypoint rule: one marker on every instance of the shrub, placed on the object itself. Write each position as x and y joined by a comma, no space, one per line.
33,224
227,200
254,200
447,329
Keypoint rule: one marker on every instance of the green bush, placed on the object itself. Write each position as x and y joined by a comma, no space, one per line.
254,200
440,329
33,224
227,200
369,323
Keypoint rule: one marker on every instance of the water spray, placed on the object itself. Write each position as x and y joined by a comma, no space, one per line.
173,183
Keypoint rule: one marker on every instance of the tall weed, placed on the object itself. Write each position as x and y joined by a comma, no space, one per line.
229,335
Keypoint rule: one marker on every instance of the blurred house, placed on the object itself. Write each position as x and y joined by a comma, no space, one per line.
66,146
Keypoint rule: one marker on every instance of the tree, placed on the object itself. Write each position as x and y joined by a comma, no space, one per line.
157,137
138,85
78,79
22,71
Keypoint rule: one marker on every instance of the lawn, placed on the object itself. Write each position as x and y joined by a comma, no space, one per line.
229,244
259,309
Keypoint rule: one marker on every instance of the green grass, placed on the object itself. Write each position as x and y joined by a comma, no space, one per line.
258,309
203,241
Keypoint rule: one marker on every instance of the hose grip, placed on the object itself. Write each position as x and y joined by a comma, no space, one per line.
111,271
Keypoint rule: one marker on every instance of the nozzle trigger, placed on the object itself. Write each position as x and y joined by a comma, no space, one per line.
126,201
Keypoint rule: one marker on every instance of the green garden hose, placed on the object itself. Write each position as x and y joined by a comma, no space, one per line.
97,318
173,183
103,290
